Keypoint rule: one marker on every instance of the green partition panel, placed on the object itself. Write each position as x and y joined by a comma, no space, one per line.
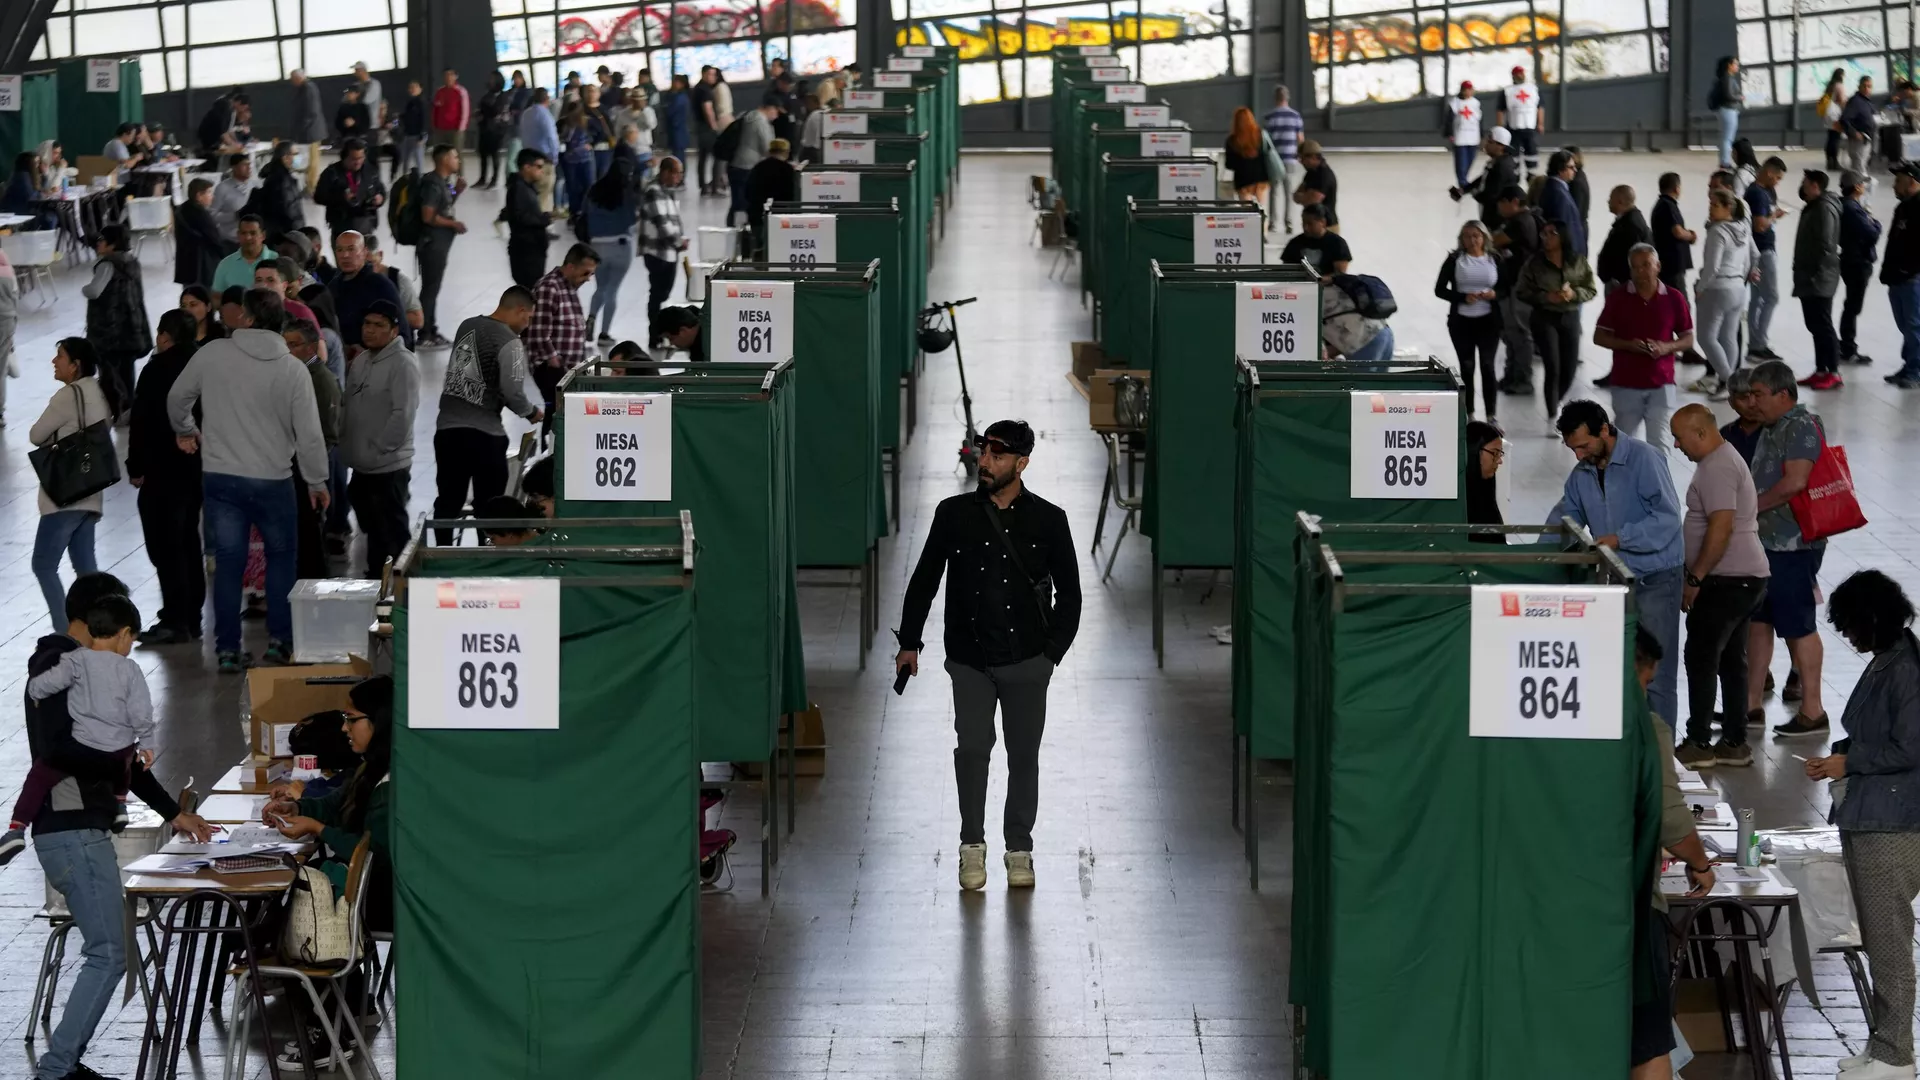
838,492
1070,162
944,123
1161,231
902,185
916,151
1107,136
1103,221
1293,455
38,119
87,119
537,953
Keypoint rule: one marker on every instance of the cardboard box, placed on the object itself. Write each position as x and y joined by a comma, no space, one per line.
278,698
810,751
1696,1009
1100,394
1087,358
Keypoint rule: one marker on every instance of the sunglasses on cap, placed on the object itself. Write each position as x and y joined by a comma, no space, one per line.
1000,446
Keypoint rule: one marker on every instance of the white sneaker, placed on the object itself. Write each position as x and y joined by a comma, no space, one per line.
1853,1062
973,866
1019,869
1705,384
1878,1070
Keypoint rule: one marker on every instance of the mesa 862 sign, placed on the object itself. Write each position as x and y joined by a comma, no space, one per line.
752,321
1547,662
483,653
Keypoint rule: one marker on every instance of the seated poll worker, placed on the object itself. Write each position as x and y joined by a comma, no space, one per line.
358,807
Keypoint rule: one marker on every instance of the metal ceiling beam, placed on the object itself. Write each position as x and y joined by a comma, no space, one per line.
21,24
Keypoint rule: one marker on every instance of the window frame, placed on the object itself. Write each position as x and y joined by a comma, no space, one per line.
1894,61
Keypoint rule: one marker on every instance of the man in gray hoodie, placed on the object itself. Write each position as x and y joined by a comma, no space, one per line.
1816,276
258,423
376,435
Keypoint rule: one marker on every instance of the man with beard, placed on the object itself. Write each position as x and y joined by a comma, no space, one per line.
1013,607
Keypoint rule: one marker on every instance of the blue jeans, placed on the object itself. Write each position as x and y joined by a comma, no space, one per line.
1905,298
81,865
62,532
1658,597
737,185
1462,161
233,505
579,177
1763,301
1377,351
1729,131
616,258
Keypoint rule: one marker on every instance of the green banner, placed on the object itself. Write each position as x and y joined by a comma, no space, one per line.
37,121
89,119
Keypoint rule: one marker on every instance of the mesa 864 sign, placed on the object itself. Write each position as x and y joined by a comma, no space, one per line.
483,653
752,321
1547,662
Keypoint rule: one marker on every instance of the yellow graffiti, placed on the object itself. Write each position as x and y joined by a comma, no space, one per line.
1036,36
1384,38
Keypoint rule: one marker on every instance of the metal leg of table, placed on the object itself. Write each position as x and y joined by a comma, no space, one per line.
770,785
1253,817
913,398
1114,551
793,743
1100,520
766,844
1159,607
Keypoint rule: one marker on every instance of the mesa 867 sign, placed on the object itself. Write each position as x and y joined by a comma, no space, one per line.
752,321
1547,661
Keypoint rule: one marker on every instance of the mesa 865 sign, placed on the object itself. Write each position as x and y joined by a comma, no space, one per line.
483,653
1547,662
752,321
1404,445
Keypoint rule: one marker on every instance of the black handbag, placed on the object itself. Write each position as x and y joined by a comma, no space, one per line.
78,465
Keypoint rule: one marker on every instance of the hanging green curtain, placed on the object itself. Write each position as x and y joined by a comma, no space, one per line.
1103,225
88,120
37,121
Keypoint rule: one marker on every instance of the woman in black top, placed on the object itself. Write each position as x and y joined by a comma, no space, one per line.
198,303
278,201
1246,157
493,117
169,483
1486,452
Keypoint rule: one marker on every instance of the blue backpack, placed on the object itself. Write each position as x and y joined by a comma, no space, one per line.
1370,296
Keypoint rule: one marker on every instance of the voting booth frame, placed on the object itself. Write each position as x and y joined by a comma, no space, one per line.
540,951
1163,231
1420,898
1103,225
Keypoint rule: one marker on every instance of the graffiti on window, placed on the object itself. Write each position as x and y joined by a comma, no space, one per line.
680,24
975,37
1390,36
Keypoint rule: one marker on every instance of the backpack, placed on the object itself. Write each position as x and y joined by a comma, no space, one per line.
403,209
728,144
318,930
1370,296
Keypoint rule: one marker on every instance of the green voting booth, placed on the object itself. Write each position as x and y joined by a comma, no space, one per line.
903,149
1214,232
37,119
96,97
1103,222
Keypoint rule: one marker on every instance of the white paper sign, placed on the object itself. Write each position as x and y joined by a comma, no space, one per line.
1278,321
829,186
893,80
619,447
1108,74
483,653
103,76
845,123
10,93
1166,143
1095,50
1547,662
1121,93
916,50
1404,445
752,321
905,63
802,239
864,99
1178,182
1145,115
847,152
1105,62
1226,239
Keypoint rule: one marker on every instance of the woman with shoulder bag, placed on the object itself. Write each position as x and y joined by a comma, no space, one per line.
1247,148
67,530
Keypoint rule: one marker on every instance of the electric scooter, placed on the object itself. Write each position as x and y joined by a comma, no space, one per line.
934,338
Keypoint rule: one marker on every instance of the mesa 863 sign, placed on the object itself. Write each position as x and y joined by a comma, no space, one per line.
483,653
1547,662
752,321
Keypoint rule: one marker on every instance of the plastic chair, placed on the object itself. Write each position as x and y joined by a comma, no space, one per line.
149,218
33,255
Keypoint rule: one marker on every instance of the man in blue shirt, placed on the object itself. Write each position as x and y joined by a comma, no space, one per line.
1621,491
1283,126
537,132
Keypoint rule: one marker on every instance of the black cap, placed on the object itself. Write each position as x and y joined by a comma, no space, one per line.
1908,169
1014,437
386,309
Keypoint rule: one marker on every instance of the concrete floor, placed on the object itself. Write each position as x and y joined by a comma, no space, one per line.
1143,950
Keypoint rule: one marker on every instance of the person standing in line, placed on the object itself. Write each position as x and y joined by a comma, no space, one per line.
1859,236
1878,817
576,157
706,127
600,131
1791,440
538,133
376,432
437,191
1522,114
309,122
1671,237
1013,609
557,334
230,196
1726,98
1246,157
9,320
303,342
526,220
613,220
1629,231
677,119
369,87
486,371
197,244
1764,212
1859,125
495,121
168,479
356,288
1318,185
1646,325
1284,128
1516,238
257,425
774,179
413,130
278,200
117,314
1621,491
1816,277
1463,131
1501,172
755,137
352,120
662,238
351,192
408,288
80,402
1469,282
1557,202
1727,266
1900,273
1726,576
1553,285
452,111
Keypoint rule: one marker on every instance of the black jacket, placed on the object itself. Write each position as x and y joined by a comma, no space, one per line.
1859,233
1676,255
526,222
85,799
1447,289
198,246
771,179
1628,229
356,111
1902,262
1501,172
277,201
349,206
988,622
413,116
152,454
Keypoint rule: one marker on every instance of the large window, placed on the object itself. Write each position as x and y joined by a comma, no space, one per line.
224,43
549,38
1386,50
1006,48
1789,49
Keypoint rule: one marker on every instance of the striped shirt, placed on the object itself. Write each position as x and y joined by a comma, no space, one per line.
1284,127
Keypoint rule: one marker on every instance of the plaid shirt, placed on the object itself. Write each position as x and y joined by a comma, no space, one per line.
660,233
559,326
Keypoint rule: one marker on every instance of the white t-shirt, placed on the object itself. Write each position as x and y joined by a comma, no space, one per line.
1523,106
1466,120
1472,274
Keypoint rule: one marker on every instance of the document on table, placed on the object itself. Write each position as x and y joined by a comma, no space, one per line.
233,840
257,861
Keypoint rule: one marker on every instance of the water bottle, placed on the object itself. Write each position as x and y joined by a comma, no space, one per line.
1749,841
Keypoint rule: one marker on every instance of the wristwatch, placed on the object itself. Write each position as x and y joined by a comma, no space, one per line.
1693,582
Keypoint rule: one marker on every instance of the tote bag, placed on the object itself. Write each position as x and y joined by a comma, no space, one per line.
1827,507
81,464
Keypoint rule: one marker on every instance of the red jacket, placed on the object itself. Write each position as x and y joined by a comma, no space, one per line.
451,108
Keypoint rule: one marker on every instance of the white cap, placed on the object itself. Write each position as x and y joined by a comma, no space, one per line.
359,65
1501,135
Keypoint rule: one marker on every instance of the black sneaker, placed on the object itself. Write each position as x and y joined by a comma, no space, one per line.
1517,389
1859,358
12,842
278,654
233,663
162,634
81,1072
1726,753
1790,693
1763,354
1801,726
1902,381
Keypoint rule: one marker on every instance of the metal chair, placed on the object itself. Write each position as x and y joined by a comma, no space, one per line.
33,255
1756,990
149,218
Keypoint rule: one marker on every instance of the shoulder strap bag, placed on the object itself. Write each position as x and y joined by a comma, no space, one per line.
1827,506
1040,592
76,466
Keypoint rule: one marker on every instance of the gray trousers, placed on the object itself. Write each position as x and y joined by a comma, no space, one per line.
1884,870
1519,338
1020,692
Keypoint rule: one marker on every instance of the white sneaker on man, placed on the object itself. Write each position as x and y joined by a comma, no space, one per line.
973,866
1878,1070
1853,1062
1019,869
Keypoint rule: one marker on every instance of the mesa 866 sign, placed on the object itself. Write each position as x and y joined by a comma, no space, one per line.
1547,661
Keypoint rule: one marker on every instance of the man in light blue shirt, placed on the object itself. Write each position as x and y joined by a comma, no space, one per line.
1621,491
537,132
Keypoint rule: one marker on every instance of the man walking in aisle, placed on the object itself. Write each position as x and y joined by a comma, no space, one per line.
526,221
376,432
661,237
537,132
1517,239
1284,128
1765,211
1900,273
437,191
1790,442
452,109
1013,608
486,371
1816,277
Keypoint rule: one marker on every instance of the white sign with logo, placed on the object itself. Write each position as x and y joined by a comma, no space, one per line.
1122,93
1226,239
1145,115
1166,143
845,123
10,93
1108,74
829,186
893,80
905,63
752,321
1186,182
847,152
619,447
1404,445
483,653
1547,662
1105,62
103,76
802,239
864,99
916,50
1094,50
1279,321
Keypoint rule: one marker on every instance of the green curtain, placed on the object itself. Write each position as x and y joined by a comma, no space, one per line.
88,120
902,185
1069,166
533,945
1104,223
37,121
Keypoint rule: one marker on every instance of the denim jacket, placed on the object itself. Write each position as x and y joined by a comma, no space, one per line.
1883,752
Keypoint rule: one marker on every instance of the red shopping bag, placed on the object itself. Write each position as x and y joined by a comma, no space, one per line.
1827,507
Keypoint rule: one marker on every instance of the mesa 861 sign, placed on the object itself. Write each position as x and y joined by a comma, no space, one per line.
483,653
1547,662
752,321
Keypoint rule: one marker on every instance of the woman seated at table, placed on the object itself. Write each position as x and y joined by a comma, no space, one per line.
22,193
53,167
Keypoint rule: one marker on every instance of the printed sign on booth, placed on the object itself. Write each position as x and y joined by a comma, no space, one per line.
829,186
1277,321
752,321
1108,74
1166,143
1105,62
802,239
864,99
1185,182
1094,50
1547,662
893,80
1145,115
1404,445
845,123
10,93
619,447
103,76
1226,239
905,63
916,50
1122,93
848,152
483,653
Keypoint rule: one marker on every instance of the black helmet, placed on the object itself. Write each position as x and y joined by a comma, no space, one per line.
936,332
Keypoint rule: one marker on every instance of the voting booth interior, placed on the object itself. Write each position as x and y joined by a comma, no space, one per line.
96,97
1103,231
899,184
900,149
36,120
1423,839
539,951
1222,233
1299,448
